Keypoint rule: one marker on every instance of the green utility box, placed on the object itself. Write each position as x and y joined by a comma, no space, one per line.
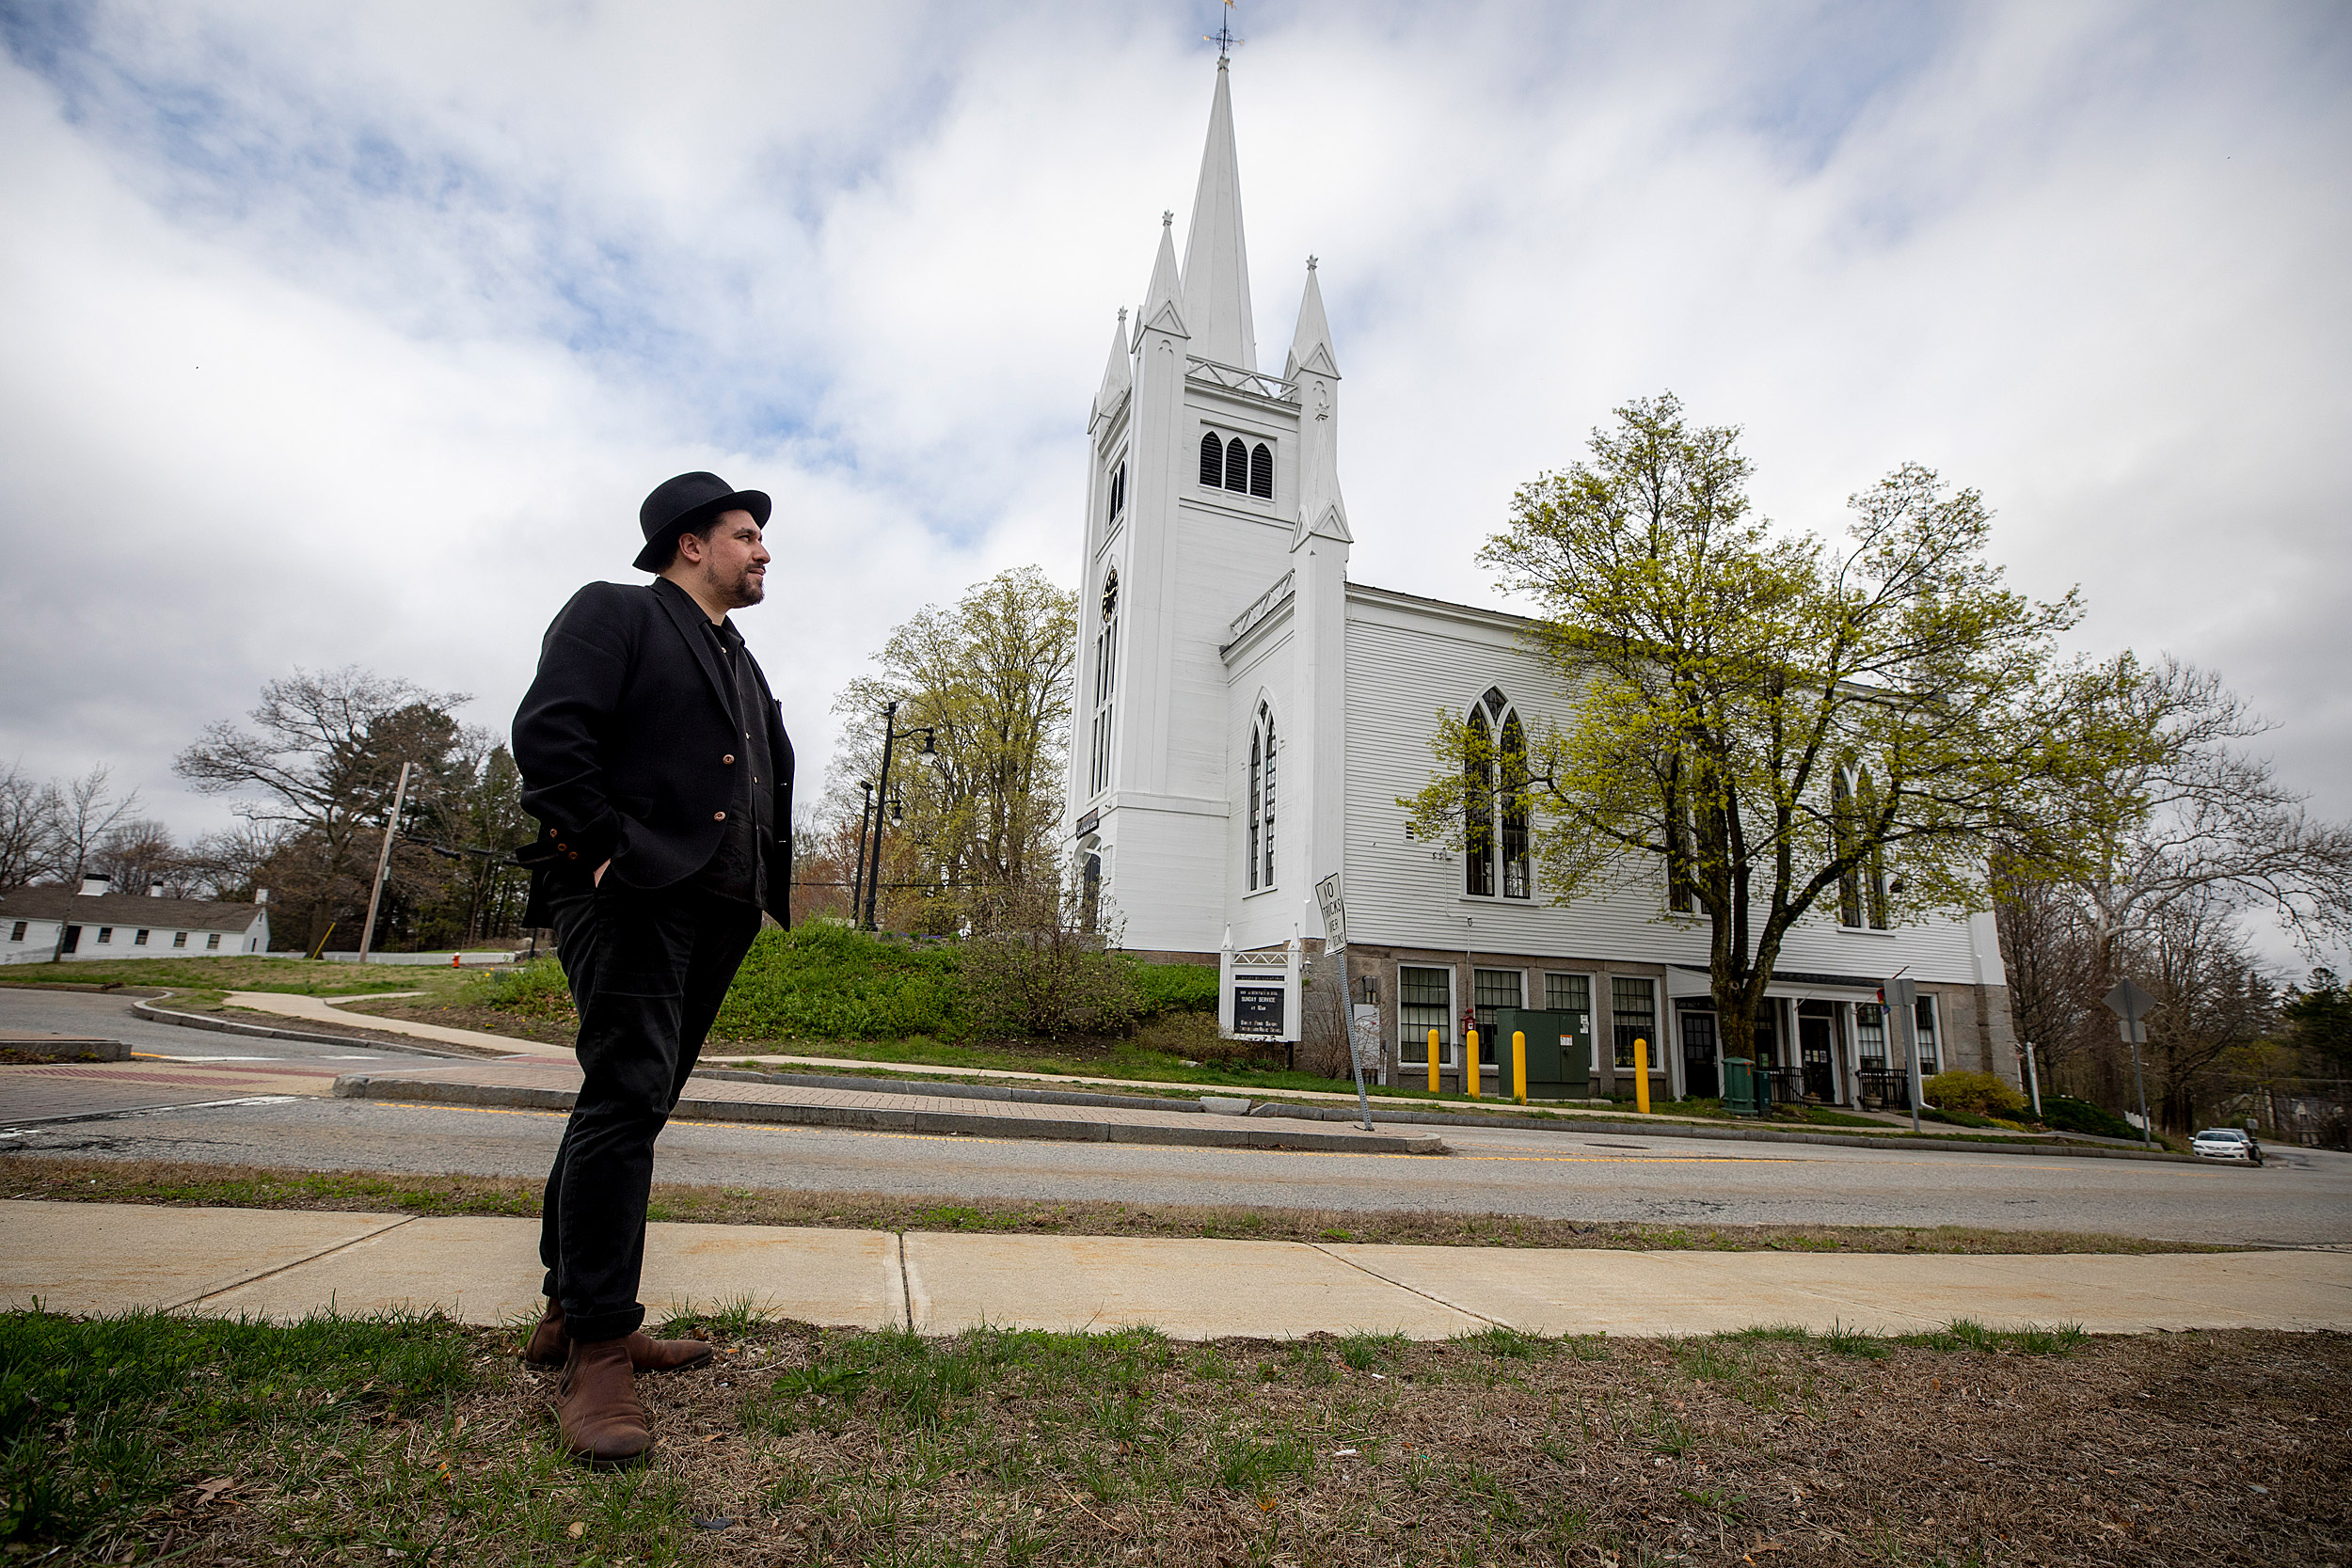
1559,1051
1742,1085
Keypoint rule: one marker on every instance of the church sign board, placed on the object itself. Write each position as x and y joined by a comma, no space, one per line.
1258,993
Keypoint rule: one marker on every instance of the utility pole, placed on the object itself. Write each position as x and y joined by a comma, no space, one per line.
1903,1002
384,861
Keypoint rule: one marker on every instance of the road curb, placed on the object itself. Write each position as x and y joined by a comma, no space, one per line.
362,1085
231,1026
1721,1134
930,1088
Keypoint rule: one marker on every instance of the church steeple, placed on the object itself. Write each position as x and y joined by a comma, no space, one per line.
1117,376
1159,298
1216,262
1314,334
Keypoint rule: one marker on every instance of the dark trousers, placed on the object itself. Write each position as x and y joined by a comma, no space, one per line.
647,973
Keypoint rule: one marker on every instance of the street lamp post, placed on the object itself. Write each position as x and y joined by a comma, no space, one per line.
882,793
857,877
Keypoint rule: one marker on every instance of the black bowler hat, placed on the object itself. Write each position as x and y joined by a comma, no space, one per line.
678,504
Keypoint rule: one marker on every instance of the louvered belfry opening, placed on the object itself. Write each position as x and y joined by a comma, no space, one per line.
1236,464
1262,471
1212,460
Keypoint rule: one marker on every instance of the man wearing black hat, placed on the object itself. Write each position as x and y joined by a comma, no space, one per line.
655,756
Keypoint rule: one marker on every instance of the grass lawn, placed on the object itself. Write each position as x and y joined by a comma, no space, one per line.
419,1441
184,1183
210,978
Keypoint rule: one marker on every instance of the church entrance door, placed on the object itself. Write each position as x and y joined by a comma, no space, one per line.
1700,1078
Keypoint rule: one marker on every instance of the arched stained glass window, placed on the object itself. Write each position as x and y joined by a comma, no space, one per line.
1259,843
1262,471
1512,808
1478,810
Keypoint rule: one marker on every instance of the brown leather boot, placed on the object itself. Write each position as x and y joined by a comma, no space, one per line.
549,1345
597,1405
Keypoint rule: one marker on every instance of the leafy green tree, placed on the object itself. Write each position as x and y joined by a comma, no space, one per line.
1751,724
990,677
2319,1018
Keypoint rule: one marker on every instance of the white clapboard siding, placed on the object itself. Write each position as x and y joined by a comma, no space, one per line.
1406,659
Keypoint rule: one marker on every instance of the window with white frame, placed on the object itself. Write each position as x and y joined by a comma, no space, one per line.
212,940
179,938
1424,1000
1495,802
1233,464
105,933
1259,840
17,933
1870,1035
1490,990
1115,501
1931,1056
1633,1006
1862,891
138,938
1106,684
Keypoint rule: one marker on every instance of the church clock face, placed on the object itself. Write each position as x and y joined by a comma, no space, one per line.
1110,594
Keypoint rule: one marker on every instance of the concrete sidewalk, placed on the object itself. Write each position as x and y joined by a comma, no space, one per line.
93,1258
550,1083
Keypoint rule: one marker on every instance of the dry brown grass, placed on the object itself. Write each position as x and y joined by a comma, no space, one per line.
808,1446
34,1176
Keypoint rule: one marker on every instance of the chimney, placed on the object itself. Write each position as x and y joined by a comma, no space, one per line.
261,896
93,885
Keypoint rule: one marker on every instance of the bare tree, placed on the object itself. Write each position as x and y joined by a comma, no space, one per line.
2189,816
85,810
320,761
27,827
137,854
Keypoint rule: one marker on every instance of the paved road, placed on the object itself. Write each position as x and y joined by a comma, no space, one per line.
2300,1199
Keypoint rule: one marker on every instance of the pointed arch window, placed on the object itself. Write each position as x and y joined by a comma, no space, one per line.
1262,471
1495,837
1236,464
1105,685
1117,504
1841,819
1212,460
1874,861
1259,845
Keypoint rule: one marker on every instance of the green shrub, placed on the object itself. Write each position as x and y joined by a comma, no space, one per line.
825,980
2069,1115
1176,988
1979,1094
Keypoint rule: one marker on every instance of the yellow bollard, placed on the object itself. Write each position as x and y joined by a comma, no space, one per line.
1433,1061
1641,1076
1469,1066
1518,1066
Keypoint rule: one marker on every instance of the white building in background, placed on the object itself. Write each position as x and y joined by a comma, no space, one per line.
1247,718
92,922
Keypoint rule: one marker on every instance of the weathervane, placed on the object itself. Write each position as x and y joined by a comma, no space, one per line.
1223,38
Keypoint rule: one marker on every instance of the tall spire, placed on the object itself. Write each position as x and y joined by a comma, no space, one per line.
1314,334
1216,264
1159,299
1117,376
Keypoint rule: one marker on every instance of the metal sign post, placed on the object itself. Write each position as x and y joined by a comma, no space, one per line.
1901,1002
1334,911
2133,1005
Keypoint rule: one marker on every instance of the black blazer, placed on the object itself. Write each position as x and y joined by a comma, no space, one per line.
628,748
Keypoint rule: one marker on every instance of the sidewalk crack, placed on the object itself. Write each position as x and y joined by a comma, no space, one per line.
202,1296
1450,1306
906,1283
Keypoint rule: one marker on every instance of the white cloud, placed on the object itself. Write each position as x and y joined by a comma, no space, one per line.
465,282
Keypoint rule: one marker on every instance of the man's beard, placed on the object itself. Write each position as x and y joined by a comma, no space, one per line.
748,588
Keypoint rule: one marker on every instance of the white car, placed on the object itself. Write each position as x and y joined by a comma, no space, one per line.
2226,1142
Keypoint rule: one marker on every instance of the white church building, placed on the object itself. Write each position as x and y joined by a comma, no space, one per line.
1247,718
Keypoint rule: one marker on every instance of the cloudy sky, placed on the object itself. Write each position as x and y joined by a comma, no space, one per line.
355,334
